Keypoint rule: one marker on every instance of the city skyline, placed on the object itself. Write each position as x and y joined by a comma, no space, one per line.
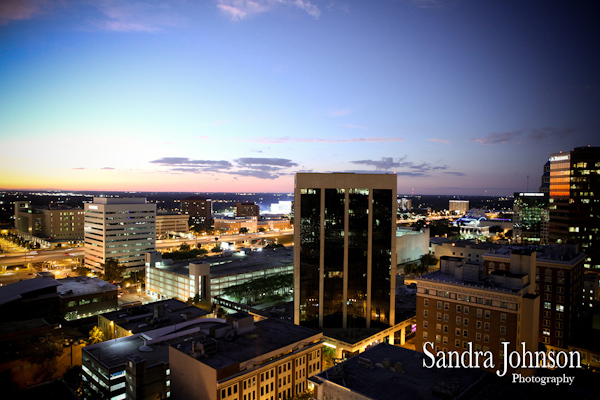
455,97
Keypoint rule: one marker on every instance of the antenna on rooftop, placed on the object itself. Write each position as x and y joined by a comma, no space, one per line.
528,183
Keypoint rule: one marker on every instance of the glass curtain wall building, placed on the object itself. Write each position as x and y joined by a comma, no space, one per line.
531,216
575,201
345,258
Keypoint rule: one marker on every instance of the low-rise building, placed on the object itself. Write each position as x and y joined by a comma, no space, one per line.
147,317
171,223
232,225
209,276
386,372
52,223
68,298
247,360
411,244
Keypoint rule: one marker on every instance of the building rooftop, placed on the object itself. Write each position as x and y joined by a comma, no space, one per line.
224,265
78,285
268,336
152,346
472,243
142,318
567,254
27,288
365,374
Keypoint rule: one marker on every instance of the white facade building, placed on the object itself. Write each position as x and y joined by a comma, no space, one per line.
119,228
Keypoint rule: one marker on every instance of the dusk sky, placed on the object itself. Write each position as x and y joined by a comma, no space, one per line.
455,97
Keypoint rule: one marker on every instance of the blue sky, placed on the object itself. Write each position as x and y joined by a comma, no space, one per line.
456,97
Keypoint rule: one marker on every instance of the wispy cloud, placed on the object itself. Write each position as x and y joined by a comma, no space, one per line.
186,162
14,10
319,140
137,15
278,162
438,140
261,168
108,168
78,168
517,136
339,113
454,173
388,163
238,10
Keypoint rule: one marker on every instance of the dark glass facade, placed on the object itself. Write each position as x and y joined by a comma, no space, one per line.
358,241
382,255
333,254
346,263
310,245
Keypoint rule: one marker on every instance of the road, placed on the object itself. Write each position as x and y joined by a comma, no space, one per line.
39,256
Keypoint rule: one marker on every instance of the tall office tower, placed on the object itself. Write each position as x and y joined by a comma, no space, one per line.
459,207
575,201
545,186
119,228
345,250
199,210
247,209
530,218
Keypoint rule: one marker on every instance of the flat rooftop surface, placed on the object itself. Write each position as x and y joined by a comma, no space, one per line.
235,264
17,290
439,276
83,285
416,382
269,335
135,320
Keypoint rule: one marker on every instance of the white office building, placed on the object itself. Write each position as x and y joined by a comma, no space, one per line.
119,228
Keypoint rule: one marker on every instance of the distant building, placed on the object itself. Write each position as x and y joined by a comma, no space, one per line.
138,319
232,225
120,228
404,204
53,223
530,217
209,276
199,210
459,306
468,250
411,244
268,359
173,223
545,181
345,250
574,190
283,207
273,224
458,207
246,209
